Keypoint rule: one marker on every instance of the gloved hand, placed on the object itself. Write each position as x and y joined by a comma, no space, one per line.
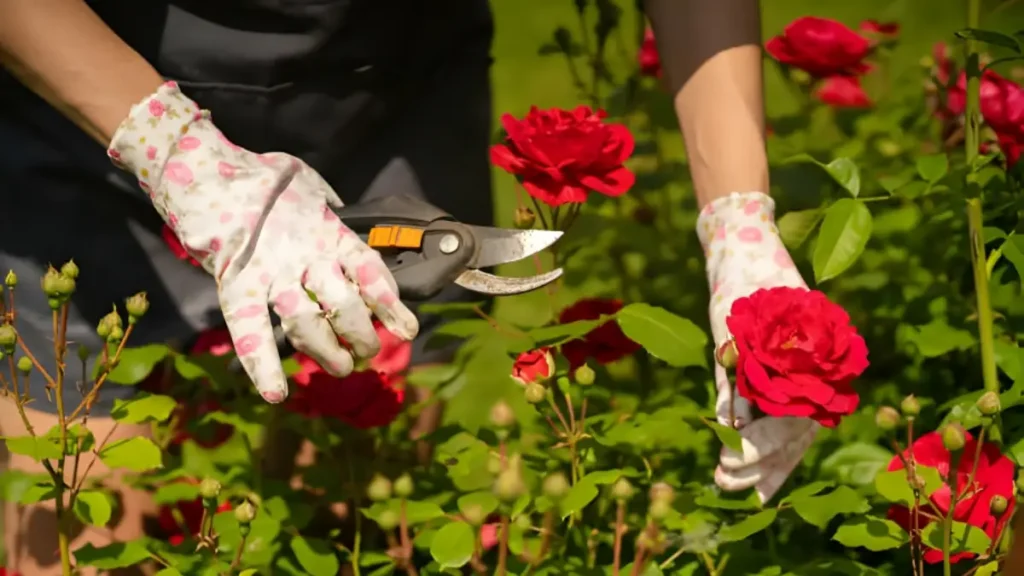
744,254
262,225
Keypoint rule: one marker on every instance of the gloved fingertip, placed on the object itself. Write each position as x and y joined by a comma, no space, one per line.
400,321
734,483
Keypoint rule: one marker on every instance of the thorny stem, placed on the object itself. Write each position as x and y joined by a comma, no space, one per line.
620,530
63,541
90,398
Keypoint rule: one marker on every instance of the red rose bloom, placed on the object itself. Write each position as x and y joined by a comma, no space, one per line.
843,92
365,399
876,28
191,513
559,156
650,61
797,354
994,476
171,239
216,342
533,366
821,47
606,343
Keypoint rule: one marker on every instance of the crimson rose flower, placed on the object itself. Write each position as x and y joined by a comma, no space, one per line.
191,513
994,476
797,354
820,47
364,399
606,343
533,366
395,354
559,156
843,92
648,57
216,342
171,239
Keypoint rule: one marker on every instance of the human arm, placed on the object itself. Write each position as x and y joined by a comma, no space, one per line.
67,55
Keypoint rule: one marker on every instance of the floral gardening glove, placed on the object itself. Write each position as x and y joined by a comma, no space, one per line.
744,254
262,226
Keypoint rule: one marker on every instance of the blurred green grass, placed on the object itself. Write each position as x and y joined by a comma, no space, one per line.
522,77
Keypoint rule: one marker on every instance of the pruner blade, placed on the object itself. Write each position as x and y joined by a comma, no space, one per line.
501,245
484,283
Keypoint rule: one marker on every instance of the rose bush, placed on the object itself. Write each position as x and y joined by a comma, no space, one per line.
573,430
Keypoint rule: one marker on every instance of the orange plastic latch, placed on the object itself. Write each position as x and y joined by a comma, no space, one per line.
395,237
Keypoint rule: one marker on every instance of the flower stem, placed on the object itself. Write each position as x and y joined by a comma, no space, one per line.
975,216
620,529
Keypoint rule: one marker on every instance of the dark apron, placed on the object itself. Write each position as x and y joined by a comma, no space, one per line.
380,96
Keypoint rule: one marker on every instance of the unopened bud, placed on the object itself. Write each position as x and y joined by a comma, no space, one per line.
83,353
388,520
107,324
727,355
910,406
70,270
51,283
887,418
379,488
502,415
509,486
8,338
11,280
556,486
917,482
989,404
474,514
584,375
116,334
404,486
209,489
24,365
953,437
245,513
998,505
659,509
622,490
136,306
661,491
525,218
535,393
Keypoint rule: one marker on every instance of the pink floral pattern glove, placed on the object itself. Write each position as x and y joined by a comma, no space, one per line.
744,254
263,227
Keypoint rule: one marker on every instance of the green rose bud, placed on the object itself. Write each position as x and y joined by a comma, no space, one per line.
525,218
137,306
953,437
660,509
116,334
727,355
622,490
556,486
989,404
209,489
535,393
69,270
998,505
379,488
917,482
83,353
8,338
510,485
388,520
662,492
523,521
11,280
502,415
887,418
245,513
107,324
910,406
24,364
403,486
474,515
584,375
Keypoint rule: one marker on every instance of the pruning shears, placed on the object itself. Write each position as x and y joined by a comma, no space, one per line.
426,249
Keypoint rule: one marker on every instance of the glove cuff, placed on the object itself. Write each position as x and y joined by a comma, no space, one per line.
153,129
718,217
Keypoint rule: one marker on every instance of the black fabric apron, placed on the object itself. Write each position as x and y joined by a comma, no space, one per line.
380,96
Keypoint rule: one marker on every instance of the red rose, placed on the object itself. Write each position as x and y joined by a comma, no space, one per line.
650,61
559,156
606,343
533,366
191,513
797,354
876,28
821,47
365,399
843,92
994,476
171,239
215,341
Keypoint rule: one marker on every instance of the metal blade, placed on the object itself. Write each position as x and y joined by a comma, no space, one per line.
490,284
501,246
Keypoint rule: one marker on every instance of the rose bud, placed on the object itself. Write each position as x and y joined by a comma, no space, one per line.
727,355
137,306
502,415
534,366
988,404
887,418
556,486
70,270
584,375
953,437
24,365
535,393
379,488
403,486
524,218
8,338
510,485
11,280
998,505
209,489
910,406
622,490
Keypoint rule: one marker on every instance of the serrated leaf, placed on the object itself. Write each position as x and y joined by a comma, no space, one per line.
875,534
666,336
844,235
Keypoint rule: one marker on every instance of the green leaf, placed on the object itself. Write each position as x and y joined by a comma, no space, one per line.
795,227
989,37
1010,359
138,454
844,234
933,168
893,486
112,556
170,571
485,501
807,490
843,170
558,334
135,364
316,556
1013,251
664,335
579,496
173,492
452,546
857,463
727,435
748,526
938,338
432,376
38,448
820,510
875,534
416,512
711,498
963,538
94,507
144,407
990,569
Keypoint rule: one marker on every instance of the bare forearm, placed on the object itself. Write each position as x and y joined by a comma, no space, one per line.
66,54
711,56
